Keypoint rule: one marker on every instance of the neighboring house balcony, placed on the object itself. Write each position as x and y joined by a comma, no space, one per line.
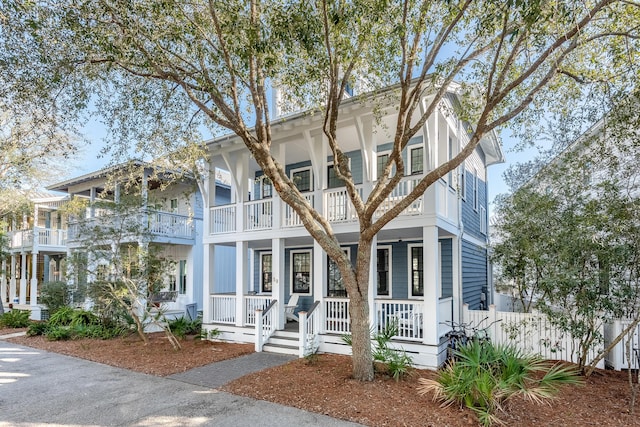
440,202
149,225
46,240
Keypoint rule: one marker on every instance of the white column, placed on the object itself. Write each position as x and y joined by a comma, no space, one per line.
92,199
12,281
208,267
241,280
456,269
3,281
373,281
431,286
23,278
319,273
34,278
278,278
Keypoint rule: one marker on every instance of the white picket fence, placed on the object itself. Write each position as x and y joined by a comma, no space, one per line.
532,333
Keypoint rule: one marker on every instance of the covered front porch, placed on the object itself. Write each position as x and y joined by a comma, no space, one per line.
261,319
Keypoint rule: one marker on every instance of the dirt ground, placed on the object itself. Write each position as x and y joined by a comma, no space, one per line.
326,386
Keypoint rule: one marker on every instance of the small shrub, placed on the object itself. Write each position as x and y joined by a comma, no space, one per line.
83,317
59,333
62,317
485,376
55,295
38,328
181,327
397,362
15,319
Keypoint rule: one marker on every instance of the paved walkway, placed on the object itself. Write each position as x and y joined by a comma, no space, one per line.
38,388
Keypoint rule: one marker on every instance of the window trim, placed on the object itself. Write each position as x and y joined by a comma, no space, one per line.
389,272
382,153
301,169
476,191
291,267
410,158
182,273
451,176
331,164
410,269
347,251
264,183
483,220
261,274
463,181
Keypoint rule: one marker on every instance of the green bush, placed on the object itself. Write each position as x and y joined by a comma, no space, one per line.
59,333
397,362
54,295
15,319
485,376
62,317
181,327
83,317
38,328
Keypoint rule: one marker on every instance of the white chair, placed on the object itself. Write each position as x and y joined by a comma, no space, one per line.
290,307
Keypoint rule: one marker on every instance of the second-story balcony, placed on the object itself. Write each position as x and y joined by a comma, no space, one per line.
148,224
271,213
44,238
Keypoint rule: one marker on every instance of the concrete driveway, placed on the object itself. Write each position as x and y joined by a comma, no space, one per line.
41,388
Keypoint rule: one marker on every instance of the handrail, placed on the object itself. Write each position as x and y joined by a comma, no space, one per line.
265,324
309,329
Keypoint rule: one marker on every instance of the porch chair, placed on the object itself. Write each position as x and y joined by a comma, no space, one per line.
290,307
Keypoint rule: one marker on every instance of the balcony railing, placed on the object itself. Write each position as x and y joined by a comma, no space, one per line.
45,237
156,223
439,199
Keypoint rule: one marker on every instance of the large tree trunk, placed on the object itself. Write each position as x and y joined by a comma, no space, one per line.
359,311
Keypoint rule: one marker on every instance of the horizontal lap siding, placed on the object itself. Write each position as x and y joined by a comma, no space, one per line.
474,273
446,267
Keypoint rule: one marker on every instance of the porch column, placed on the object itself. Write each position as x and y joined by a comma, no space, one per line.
34,278
92,199
12,280
431,285
319,277
277,206
23,278
373,281
208,267
278,278
241,280
456,270
3,281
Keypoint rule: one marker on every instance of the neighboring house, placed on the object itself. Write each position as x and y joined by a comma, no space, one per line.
425,264
170,215
36,247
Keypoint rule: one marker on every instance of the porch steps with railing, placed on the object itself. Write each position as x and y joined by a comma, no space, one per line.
283,342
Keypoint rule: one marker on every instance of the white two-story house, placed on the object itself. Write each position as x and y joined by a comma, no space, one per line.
428,261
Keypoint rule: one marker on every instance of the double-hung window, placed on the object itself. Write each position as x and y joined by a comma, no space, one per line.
335,283
381,162
417,271
383,271
266,268
267,187
416,157
301,272
302,179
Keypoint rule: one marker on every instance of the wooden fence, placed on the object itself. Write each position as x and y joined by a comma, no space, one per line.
532,333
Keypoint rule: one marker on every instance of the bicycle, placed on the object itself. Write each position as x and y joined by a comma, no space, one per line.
461,334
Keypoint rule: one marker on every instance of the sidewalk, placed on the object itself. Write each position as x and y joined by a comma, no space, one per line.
39,388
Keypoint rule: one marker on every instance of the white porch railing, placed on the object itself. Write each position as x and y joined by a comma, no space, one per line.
338,206
532,333
309,330
51,237
291,217
404,187
223,309
170,224
265,324
223,219
253,303
258,214
337,320
21,238
406,314
445,315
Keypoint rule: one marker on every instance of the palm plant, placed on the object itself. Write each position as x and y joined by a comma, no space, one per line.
486,376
